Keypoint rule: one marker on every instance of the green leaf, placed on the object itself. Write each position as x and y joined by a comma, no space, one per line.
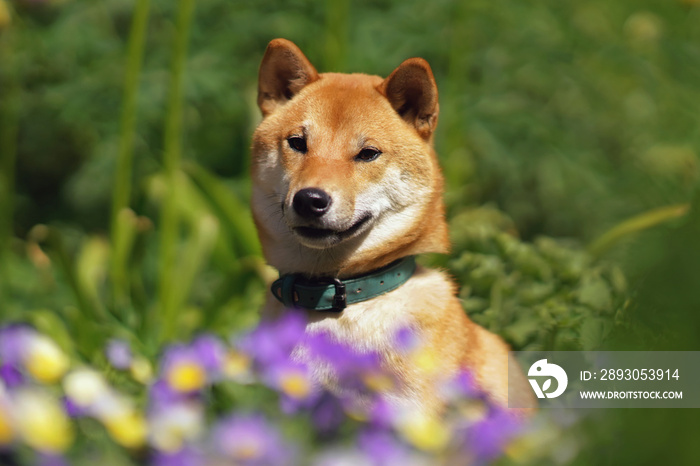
234,214
636,224
50,324
592,333
595,292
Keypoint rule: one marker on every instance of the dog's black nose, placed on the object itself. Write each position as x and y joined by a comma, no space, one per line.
311,202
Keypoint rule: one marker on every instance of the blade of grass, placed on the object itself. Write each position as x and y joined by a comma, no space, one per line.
198,250
457,160
634,225
123,236
336,35
169,224
87,308
122,178
9,110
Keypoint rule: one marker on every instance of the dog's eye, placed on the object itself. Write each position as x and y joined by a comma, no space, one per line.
368,154
297,143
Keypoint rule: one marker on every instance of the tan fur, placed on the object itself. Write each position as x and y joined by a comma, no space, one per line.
338,115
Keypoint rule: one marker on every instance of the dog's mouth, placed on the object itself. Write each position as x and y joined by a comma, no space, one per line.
329,236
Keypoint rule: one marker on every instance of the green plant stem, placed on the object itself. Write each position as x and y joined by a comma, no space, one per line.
122,178
634,225
336,35
169,224
458,161
9,110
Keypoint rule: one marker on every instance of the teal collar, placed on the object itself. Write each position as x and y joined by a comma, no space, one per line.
333,294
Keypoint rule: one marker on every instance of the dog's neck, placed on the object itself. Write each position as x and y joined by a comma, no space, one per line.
333,294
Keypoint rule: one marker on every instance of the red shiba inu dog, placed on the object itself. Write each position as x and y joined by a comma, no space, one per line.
346,191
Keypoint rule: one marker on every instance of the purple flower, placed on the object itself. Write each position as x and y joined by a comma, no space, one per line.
174,355
183,368
119,354
251,441
189,368
187,456
10,375
13,342
384,448
210,352
461,386
383,413
328,413
161,395
485,440
337,456
294,382
406,339
45,459
73,409
273,341
350,366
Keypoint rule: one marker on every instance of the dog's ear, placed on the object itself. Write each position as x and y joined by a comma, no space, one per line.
284,71
412,91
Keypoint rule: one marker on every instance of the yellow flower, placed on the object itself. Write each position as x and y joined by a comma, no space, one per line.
424,432
378,381
295,385
141,370
7,433
249,451
5,17
472,410
186,377
41,422
425,360
357,412
643,27
44,359
127,428
237,366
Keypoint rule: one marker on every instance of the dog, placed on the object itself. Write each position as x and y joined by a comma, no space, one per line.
346,191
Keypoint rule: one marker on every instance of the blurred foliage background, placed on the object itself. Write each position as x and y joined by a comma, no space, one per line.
569,134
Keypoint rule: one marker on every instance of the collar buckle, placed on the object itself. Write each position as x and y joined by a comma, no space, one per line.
340,296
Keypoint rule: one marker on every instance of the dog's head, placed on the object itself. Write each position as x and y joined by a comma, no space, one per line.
345,178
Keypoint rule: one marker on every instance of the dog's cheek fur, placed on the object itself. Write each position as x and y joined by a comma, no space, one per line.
395,201
270,183
265,158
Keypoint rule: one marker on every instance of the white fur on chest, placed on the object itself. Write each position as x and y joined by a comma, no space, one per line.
366,326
